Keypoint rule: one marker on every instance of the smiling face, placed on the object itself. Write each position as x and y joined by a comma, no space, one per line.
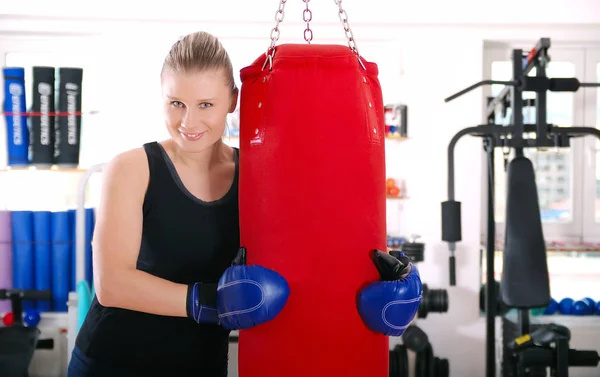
198,91
196,105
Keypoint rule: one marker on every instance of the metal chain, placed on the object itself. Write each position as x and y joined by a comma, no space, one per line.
275,33
308,34
349,35
307,17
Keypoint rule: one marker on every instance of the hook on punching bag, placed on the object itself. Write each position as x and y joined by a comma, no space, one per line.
525,282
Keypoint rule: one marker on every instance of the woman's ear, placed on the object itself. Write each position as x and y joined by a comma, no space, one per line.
234,100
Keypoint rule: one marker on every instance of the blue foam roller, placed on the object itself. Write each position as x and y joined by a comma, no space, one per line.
23,257
84,300
43,256
61,260
16,122
90,222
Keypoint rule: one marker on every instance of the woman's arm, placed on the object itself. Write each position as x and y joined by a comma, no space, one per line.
117,239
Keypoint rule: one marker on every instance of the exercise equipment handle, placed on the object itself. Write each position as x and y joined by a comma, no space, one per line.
569,84
25,294
481,83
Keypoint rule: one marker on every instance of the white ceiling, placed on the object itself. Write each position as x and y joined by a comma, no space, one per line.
359,11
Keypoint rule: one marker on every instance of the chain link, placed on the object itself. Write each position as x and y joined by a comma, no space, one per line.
307,17
349,35
343,16
275,33
308,34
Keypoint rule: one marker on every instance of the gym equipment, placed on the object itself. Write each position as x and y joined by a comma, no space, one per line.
399,361
425,363
500,308
432,300
20,339
23,257
546,346
16,121
42,126
428,365
566,305
525,281
42,251
61,260
552,308
6,257
68,129
294,211
415,339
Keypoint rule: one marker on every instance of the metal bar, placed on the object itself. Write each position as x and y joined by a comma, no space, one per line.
541,46
517,100
80,222
541,107
490,309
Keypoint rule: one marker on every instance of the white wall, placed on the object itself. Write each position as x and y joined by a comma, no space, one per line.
425,50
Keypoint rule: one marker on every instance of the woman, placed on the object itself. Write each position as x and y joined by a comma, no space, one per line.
168,219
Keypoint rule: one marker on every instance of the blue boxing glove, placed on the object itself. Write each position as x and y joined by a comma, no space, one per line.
248,296
389,305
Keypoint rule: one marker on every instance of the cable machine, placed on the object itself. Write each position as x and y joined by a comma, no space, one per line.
525,280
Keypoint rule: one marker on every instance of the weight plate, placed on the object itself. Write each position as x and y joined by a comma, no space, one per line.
424,362
442,368
393,364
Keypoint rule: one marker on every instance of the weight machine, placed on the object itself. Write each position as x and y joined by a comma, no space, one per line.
525,282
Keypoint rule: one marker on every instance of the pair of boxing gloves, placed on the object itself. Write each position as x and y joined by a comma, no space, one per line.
247,296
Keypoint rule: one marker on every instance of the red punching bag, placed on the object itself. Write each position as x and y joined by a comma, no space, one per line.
312,207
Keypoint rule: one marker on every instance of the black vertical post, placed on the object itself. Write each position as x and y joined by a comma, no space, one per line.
541,102
490,310
517,102
562,358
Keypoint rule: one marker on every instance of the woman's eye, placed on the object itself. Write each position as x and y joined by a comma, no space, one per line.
205,105
176,104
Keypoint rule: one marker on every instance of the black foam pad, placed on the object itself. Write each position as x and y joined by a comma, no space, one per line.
525,283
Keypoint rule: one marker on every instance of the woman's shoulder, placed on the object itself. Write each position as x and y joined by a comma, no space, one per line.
130,166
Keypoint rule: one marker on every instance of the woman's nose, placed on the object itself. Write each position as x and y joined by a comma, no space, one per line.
190,119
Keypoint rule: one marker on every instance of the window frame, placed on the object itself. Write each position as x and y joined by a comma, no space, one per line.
591,230
563,232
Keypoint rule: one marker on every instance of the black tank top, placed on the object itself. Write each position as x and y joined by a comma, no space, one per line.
184,240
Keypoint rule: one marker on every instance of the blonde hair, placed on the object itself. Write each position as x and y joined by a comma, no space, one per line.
199,51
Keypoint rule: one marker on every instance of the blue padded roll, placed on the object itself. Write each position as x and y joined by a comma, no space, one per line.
43,255
61,260
89,234
23,258
16,121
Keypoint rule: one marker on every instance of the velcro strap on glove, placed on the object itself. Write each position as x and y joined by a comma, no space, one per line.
202,302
